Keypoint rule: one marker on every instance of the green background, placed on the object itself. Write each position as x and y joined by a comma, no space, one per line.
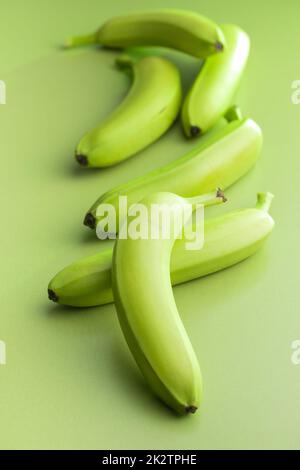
70,381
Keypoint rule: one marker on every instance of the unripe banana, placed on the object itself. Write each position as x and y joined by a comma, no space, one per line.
218,162
146,307
214,88
146,113
183,30
228,240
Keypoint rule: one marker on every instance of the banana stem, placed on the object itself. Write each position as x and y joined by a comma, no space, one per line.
264,201
81,40
209,199
233,114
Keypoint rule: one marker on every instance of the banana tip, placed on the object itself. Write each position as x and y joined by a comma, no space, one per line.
52,295
221,194
89,220
219,46
195,131
82,159
191,409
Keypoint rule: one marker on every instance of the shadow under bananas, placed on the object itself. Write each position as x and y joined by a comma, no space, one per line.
133,385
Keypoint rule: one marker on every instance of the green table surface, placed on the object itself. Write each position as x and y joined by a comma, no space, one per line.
69,380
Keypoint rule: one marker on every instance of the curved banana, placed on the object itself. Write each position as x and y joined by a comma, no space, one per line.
218,162
183,30
146,307
229,239
213,90
146,113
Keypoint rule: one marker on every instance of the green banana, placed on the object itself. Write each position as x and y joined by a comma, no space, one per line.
147,112
213,90
183,30
146,307
219,162
229,239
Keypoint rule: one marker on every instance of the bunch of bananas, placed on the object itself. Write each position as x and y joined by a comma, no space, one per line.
138,274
